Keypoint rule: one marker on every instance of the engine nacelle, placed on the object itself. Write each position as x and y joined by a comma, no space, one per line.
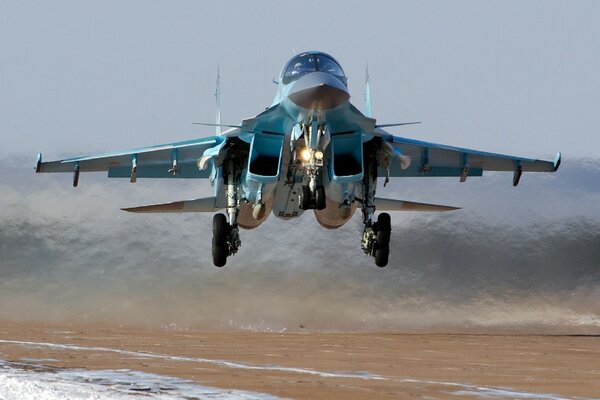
333,217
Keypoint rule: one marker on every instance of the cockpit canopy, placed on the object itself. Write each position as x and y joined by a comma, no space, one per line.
304,63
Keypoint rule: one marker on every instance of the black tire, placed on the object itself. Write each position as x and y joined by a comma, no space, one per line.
305,198
320,202
384,222
220,230
219,254
383,238
382,256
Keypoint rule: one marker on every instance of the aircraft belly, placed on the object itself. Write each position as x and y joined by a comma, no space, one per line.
286,203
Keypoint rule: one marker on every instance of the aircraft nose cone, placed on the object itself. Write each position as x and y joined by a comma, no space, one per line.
318,90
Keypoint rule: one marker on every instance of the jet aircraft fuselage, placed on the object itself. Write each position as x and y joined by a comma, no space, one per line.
314,99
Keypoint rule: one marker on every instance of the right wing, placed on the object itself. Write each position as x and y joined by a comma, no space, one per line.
187,159
171,160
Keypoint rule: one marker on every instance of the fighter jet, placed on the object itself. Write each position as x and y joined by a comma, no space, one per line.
312,149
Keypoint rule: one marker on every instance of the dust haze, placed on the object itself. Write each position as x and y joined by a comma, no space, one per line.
525,259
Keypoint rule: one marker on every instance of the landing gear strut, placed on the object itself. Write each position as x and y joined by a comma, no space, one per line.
226,238
376,235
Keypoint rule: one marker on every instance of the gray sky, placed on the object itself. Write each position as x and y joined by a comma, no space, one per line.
81,76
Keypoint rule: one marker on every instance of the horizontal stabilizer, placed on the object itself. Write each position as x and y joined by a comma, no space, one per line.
396,124
197,205
401,205
217,125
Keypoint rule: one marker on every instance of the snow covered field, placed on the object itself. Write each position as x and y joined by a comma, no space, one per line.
25,381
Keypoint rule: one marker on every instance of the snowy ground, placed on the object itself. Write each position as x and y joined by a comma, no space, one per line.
24,381
27,380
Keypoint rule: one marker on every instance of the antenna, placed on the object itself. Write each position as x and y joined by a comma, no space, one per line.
368,109
218,126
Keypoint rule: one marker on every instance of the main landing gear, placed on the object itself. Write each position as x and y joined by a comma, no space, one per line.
226,236
376,235
376,239
226,240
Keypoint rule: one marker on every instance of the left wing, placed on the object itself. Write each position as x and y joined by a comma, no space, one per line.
171,160
409,157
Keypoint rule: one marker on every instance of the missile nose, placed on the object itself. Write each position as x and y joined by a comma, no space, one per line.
318,90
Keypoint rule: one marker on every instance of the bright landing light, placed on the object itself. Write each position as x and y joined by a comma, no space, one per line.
306,154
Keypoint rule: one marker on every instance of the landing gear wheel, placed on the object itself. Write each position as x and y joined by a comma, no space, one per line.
383,238
382,256
220,249
320,198
383,228
219,254
220,230
305,198
384,222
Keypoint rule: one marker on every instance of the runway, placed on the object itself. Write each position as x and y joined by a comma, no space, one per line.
108,362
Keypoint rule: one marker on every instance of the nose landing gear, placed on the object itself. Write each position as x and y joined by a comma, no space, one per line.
310,200
310,159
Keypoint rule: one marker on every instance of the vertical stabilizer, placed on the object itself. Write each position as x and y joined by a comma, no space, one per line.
368,110
218,128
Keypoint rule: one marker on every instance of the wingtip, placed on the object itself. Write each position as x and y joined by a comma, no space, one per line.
557,161
176,206
134,210
38,166
138,209
449,208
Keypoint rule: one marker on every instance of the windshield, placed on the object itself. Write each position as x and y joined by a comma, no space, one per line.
326,64
306,62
